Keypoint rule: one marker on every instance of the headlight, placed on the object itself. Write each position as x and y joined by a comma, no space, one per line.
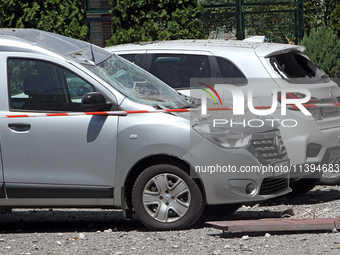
224,137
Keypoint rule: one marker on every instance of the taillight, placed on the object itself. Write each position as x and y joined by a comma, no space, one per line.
295,95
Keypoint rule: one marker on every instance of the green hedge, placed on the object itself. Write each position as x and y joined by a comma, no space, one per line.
323,48
150,20
65,17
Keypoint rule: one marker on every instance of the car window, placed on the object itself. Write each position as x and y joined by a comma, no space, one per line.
230,72
41,86
297,68
177,69
130,57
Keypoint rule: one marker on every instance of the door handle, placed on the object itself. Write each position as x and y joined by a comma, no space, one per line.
19,127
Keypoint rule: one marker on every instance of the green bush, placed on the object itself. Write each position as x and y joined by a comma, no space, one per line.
65,17
313,14
334,20
150,20
323,48
319,13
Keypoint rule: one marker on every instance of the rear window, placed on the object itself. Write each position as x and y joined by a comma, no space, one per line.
297,68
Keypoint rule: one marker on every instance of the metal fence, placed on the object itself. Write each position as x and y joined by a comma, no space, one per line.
280,21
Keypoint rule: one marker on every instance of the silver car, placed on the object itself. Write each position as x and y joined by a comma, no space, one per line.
313,144
82,127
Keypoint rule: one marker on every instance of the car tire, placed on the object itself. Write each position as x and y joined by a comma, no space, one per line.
302,186
165,197
330,179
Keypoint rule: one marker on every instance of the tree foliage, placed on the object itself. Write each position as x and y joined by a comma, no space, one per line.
273,21
322,31
334,19
319,13
150,20
323,48
63,17
277,22
313,14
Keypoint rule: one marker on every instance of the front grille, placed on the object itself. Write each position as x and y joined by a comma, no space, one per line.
269,146
273,185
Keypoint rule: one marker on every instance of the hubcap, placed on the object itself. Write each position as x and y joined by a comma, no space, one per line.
166,198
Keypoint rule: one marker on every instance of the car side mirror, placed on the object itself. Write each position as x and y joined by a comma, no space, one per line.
95,101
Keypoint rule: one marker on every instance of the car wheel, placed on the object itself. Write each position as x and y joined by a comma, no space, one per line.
165,197
329,178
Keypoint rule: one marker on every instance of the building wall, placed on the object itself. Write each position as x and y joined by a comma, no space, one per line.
98,20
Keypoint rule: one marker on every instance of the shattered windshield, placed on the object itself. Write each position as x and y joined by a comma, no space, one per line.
137,84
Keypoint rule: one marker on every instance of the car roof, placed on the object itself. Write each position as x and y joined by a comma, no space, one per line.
42,42
262,49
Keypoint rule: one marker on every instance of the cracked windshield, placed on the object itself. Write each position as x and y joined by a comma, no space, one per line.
137,84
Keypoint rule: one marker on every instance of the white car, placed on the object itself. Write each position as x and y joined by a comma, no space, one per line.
313,144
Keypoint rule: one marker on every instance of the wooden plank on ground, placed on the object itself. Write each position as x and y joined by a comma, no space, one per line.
263,225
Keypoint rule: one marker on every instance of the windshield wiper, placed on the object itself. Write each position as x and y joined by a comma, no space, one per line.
186,106
160,106
157,106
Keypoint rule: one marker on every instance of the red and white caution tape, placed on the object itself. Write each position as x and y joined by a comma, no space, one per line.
124,113
112,113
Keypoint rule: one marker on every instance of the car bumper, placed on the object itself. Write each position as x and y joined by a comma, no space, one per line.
234,175
298,139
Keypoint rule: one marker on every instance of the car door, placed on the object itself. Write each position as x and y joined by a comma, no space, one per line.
60,156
